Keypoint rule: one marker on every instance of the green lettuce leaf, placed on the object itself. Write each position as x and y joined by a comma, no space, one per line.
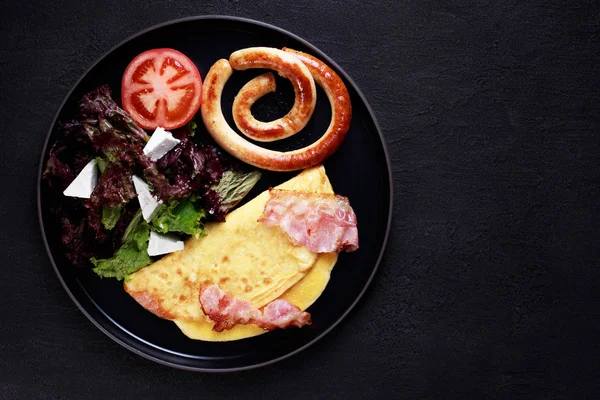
233,186
131,256
102,164
192,126
132,227
110,216
181,216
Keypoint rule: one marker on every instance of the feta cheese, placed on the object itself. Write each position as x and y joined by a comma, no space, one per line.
83,185
163,244
160,143
148,203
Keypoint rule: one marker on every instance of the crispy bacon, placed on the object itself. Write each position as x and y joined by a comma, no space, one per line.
227,311
322,222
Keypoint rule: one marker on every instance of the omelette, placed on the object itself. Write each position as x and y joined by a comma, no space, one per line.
248,260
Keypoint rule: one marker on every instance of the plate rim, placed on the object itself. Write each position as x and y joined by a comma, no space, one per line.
330,62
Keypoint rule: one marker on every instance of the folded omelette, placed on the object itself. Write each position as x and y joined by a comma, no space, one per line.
247,259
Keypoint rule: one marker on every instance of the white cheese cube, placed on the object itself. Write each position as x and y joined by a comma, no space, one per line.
163,244
148,203
160,143
83,185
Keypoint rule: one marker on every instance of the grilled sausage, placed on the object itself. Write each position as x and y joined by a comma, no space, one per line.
287,66
315,153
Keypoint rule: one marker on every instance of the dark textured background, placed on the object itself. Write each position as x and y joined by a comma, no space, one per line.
489,287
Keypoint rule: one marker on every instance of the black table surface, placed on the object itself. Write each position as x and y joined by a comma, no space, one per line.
489,286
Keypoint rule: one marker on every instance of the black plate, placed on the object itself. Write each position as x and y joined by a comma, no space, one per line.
359,169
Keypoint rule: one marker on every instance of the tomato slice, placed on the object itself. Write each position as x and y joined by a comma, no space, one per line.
161,87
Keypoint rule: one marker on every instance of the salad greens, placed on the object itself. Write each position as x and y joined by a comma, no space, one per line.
192,126
233,187
131,256
197,183
181,216
110,216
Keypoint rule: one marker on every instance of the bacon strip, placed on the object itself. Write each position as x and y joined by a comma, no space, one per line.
322,222
227,311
